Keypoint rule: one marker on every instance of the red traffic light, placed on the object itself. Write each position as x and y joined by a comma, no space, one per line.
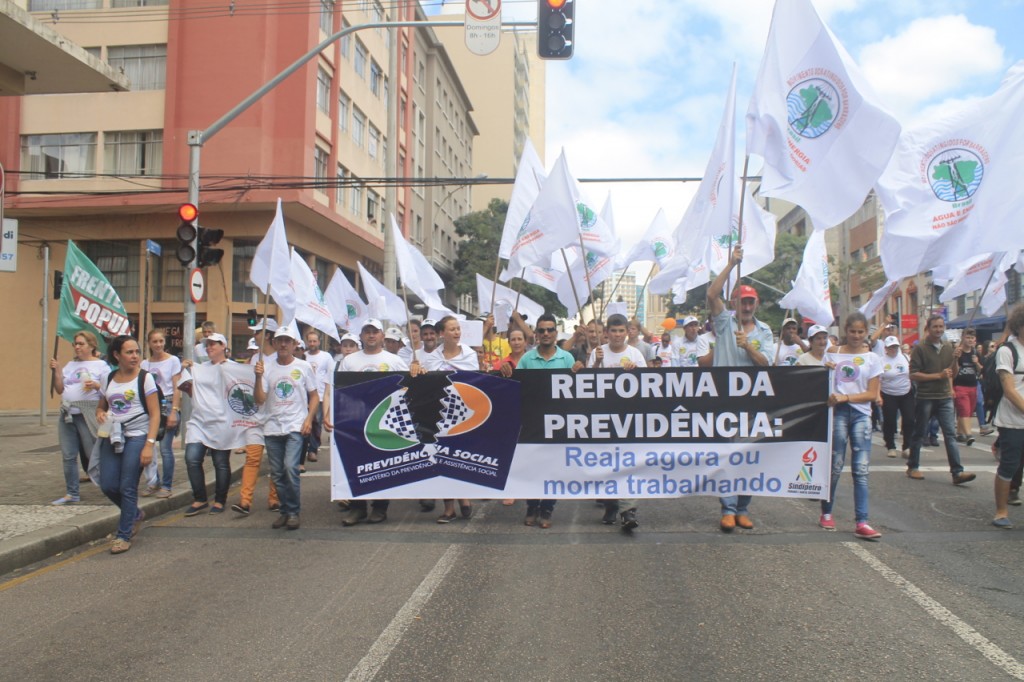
555,4
188,212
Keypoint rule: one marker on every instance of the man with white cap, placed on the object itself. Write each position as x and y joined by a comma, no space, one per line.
791,346
743,341
428,334
897,397
817,342
693,349
393,340
288,388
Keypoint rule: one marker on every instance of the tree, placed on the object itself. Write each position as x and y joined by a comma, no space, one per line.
478,252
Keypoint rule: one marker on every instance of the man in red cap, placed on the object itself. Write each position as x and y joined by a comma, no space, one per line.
743,341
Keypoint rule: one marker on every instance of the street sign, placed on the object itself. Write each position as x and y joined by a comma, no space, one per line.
9,246
153,247
483,26
196,285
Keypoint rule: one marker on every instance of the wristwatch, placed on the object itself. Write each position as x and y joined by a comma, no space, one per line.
151,441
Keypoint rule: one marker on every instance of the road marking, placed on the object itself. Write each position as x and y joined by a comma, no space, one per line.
14,582
983,645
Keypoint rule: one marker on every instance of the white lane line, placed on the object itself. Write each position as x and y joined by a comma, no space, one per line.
984,646
381,650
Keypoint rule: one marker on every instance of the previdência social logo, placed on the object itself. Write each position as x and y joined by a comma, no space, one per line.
391,425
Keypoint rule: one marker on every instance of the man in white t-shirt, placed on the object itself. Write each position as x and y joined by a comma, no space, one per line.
323,367
666,351
620,355
693,349
1009,414
289,388
791,346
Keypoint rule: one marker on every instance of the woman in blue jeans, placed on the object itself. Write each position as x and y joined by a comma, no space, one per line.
166,369
855,379
134,419
207,412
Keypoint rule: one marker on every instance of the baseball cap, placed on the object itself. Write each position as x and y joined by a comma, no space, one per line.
350,337
271,325
790,319
891,341
373,322
287,331
219,338
252,345
746,291
690,319
393,334
815,330
428,323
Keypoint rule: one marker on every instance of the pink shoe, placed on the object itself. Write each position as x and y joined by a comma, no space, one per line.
866,532
827,522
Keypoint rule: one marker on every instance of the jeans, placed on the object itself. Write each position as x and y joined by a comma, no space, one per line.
942,409
979,409
283,454
1011,451
848,424
75,441
735,504
119,480
195,453
894,406
545,506
166,462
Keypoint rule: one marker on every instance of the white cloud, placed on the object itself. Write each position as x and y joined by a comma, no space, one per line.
931,58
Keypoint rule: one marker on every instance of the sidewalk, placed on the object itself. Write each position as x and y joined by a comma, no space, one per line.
32,476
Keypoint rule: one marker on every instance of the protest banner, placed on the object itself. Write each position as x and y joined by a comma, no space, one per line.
88,301
594,434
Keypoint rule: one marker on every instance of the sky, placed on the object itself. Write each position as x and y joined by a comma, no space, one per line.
644,92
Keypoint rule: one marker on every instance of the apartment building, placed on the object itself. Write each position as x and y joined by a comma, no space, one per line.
109,169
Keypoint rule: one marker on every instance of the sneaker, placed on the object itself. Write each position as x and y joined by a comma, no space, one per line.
963,477
67,499
611,511
892,452
933,442
120,546
1014,498
242,509
280,521
377,516
986,431
150,490
531,516
915,474
866,532
1002,522
827,522
629,521
196,509
353,516
163,493
960,438
969,441
292,523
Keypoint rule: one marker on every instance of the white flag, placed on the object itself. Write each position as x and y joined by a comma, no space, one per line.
223,395
598,231
416,272
271,266
381,303
529,176
584,273
815,120
309,302
507,297
758,240
543,277
656,246
973,274
950,191
879,298
810,294
552,222
709,215
343,301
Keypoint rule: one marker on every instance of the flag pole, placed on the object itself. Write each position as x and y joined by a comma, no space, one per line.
739,229
408,321
494,285
572,285
263,335
586,275
53,372
519,292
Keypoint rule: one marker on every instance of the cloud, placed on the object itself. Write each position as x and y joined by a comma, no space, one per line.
931,58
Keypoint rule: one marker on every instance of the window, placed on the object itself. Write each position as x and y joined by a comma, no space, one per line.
855,256
137,3
358,126
49,5
376,76
343,107
383,150
378,12
133,152
168,275
323,90
372,205
357,196
119,261
360,61
242,289
327,16
54,156
144,65
339,194
320,166
346,40
373,141
870,251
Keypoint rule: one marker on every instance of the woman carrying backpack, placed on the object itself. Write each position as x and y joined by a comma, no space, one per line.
129,417
1009,413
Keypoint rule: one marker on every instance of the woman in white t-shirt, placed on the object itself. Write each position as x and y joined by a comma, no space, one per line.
1009,417
855,380
450,355
78,383
897,397
166,369
135,417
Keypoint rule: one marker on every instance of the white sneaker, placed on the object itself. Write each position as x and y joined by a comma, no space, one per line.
893,453
67,499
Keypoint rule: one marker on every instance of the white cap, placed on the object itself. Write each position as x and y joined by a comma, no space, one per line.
891,341
794,321
287,331
373,322
215,337
428,323
252,345
815,330
350,337
271,325
690,319
393,334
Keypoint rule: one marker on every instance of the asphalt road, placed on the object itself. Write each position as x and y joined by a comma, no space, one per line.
939,597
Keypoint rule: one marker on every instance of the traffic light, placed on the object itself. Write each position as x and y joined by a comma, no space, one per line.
207,238
251,317
187,232
555,26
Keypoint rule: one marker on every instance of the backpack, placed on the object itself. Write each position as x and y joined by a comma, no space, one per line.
162,431
991,384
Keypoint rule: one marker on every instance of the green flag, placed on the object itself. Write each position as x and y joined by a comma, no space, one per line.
88,302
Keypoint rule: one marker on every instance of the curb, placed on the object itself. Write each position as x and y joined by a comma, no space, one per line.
26,549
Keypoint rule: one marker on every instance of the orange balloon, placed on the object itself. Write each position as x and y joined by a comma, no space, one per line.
669,324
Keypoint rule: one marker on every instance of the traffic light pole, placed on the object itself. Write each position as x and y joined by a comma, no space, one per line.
197,138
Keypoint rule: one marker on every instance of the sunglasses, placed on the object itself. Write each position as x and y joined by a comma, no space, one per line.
545,330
